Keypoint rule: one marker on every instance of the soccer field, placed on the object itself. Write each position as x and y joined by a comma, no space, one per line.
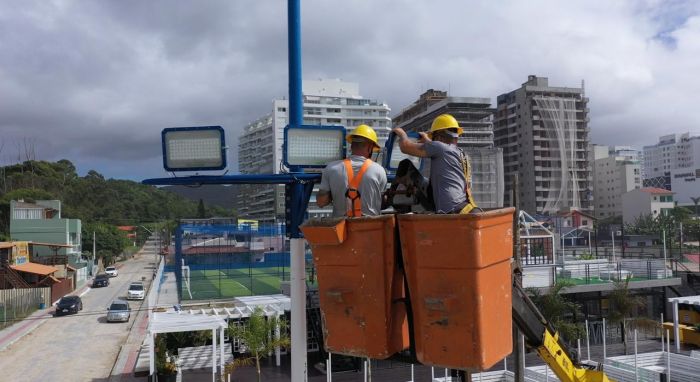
229,282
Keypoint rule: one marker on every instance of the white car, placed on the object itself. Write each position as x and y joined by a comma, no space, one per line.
136,291
111,271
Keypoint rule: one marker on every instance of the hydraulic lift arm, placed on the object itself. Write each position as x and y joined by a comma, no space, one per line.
540,335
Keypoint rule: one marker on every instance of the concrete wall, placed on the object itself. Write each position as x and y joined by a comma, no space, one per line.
634,204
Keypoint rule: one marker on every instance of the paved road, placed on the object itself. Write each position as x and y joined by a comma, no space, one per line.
80,347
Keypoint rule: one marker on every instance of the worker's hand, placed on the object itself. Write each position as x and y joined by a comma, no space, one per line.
424,137
399,132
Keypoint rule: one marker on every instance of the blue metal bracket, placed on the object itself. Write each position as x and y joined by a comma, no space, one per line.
297,197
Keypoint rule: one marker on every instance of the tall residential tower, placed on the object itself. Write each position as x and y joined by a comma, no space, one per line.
544,133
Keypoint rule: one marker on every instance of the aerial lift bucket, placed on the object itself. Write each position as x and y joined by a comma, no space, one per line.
458,269
360,285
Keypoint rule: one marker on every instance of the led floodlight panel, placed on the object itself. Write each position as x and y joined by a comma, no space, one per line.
394,155
194,148
313,146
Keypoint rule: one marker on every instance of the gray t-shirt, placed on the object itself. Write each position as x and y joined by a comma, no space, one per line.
446,177
373,184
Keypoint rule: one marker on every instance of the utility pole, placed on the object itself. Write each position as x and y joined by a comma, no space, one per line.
94,254
518,338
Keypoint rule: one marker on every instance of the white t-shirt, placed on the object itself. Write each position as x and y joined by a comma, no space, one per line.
373,184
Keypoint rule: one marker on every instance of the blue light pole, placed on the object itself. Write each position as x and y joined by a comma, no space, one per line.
294,191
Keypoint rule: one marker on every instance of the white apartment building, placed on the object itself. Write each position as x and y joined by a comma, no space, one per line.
543,131
616,170
326,102
672,152
646,201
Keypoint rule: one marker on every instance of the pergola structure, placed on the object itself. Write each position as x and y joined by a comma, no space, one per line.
689,300
173,322
194,318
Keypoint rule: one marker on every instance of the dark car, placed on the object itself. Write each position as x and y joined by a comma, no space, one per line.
101,280
69,304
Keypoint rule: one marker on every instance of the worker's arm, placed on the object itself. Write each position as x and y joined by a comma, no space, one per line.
323,198
409,147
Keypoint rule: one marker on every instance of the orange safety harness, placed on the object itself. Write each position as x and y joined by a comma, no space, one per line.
353,192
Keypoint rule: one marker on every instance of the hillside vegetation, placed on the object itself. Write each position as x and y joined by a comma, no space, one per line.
101,204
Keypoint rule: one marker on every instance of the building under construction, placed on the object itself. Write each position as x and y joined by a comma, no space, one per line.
544,134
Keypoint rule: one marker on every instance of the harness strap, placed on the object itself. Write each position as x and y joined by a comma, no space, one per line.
353,191
467,171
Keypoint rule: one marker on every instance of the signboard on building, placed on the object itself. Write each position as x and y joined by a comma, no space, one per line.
685,184
248,223
20,252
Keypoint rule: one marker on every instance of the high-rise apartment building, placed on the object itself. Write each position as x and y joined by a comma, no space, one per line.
326,102
543,131
616,170
672,152
474,116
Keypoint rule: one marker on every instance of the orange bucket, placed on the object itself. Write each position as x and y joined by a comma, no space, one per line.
459,278
360,285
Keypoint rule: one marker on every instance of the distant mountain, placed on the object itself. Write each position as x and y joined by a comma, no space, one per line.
212,195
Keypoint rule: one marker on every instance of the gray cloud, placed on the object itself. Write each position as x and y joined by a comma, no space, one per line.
95,82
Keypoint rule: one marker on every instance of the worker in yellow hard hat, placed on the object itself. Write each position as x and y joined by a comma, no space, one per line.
354,185
450,170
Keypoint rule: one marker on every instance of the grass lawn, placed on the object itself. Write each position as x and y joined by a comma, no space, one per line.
227,283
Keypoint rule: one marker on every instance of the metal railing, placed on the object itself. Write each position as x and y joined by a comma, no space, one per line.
602,270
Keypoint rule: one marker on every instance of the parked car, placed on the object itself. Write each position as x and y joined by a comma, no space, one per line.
101,280
111,271
136,291
68,305
118,311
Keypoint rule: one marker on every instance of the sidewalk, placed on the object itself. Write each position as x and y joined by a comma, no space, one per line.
14,333
126,363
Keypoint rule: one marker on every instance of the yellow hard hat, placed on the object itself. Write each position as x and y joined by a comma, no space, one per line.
366,132
445,121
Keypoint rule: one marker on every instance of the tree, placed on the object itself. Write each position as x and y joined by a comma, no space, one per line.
259,338
201,211
696,200
624,306
110,241
558,310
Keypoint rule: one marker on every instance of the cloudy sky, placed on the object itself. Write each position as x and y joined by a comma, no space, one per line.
96,81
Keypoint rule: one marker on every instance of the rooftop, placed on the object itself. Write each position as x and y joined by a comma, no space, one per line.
656,191
38,269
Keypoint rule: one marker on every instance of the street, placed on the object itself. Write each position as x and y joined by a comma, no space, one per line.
83,346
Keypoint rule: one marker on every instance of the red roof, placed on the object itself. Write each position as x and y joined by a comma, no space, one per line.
202,250
126,228
655,190
39,269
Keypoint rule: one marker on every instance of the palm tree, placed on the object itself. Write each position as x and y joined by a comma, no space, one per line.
623,308
555,308
258,336
696,200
